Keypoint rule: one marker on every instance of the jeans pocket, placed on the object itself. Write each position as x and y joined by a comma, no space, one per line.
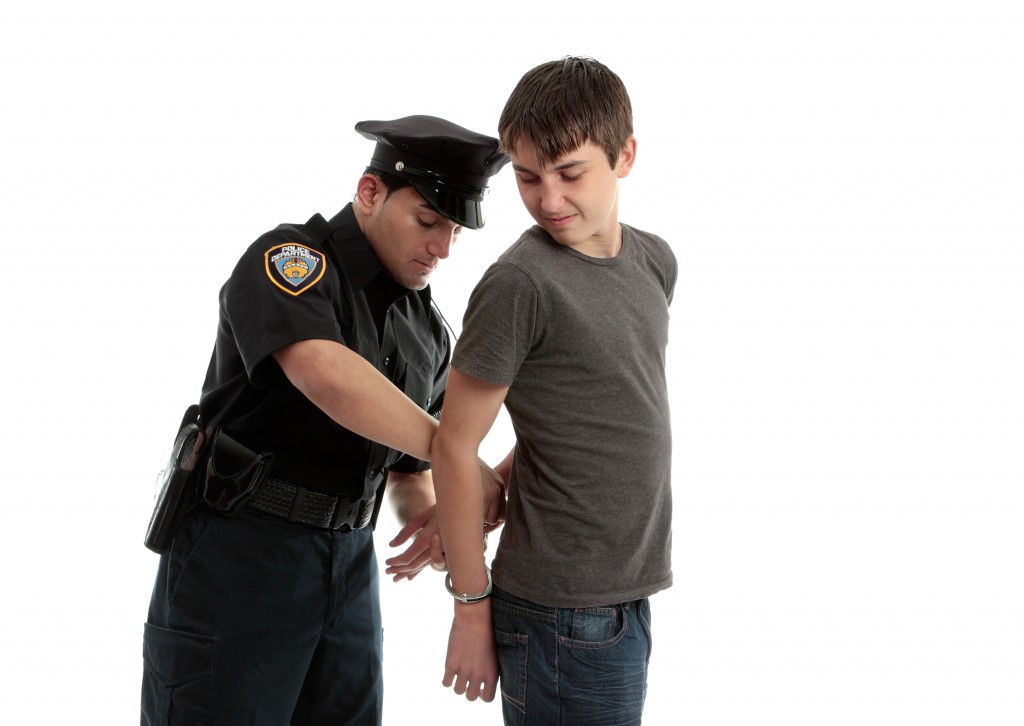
597,626
513,651
605,680
644,616
177,675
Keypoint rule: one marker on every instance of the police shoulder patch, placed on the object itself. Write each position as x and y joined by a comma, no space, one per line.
293,267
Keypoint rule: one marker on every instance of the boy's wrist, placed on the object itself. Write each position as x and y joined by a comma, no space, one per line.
469,598
474,615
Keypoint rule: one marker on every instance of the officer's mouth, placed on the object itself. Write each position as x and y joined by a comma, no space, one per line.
425,267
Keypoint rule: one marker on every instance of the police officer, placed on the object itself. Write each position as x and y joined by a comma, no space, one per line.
330,362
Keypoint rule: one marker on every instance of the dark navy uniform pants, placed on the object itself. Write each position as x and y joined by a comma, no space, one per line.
256,620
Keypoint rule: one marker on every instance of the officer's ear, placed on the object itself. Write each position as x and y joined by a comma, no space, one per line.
370,191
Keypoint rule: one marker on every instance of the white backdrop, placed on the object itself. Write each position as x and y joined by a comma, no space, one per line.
841,182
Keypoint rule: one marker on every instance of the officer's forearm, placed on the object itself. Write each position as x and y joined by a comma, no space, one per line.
409,494
356,395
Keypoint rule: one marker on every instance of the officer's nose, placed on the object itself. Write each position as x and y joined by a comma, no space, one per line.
440,246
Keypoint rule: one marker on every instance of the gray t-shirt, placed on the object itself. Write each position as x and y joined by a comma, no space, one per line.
581,343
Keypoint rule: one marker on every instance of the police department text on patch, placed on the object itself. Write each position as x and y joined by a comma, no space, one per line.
294,268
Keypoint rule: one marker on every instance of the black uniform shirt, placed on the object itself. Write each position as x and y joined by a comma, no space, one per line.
319,280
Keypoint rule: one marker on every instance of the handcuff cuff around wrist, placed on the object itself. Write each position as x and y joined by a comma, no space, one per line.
465,597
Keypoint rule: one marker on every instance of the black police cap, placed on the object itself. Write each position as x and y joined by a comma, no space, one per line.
447,164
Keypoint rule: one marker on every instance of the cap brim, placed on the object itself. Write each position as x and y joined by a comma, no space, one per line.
461,210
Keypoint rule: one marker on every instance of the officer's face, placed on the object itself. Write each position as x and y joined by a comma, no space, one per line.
409,237
574,198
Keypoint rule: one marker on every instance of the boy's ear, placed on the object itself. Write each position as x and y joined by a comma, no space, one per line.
626,157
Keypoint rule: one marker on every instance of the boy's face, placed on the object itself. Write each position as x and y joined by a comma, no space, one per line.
575,198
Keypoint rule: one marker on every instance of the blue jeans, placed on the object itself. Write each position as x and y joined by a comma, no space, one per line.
263,622
565,666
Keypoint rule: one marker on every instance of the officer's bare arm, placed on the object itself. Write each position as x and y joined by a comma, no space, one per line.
410,493
355,394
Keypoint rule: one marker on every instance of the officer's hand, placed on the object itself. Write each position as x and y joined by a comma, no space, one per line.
437,559
494,497
422,529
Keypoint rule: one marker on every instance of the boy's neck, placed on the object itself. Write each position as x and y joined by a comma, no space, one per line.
600,246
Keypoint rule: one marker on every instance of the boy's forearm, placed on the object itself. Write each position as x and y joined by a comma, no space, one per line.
471,406
460,512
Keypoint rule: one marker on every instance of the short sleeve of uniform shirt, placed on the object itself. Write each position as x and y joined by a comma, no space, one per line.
267,312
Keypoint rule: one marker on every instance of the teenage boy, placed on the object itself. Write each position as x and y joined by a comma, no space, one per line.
568,329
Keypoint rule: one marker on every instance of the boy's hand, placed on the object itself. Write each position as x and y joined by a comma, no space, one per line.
471,666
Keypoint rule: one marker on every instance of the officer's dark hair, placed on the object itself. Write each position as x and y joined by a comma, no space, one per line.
392,182
560,105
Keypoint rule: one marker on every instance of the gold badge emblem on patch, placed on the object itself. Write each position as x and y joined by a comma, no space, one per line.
294,268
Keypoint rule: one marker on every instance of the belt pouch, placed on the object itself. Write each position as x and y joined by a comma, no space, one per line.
233,474
176,485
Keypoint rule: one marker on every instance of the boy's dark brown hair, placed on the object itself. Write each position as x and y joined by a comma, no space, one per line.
560,105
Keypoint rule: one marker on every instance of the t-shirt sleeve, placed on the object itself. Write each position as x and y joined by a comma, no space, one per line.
278,294
661,259
671,273
499,327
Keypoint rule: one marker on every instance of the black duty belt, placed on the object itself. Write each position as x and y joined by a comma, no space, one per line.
298,504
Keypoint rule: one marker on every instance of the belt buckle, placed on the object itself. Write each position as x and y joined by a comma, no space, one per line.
342,517
351,514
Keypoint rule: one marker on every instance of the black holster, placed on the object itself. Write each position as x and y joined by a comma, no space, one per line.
233,474
177,490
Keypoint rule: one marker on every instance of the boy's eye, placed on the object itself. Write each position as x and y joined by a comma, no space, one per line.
568,178
426,224
528,179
